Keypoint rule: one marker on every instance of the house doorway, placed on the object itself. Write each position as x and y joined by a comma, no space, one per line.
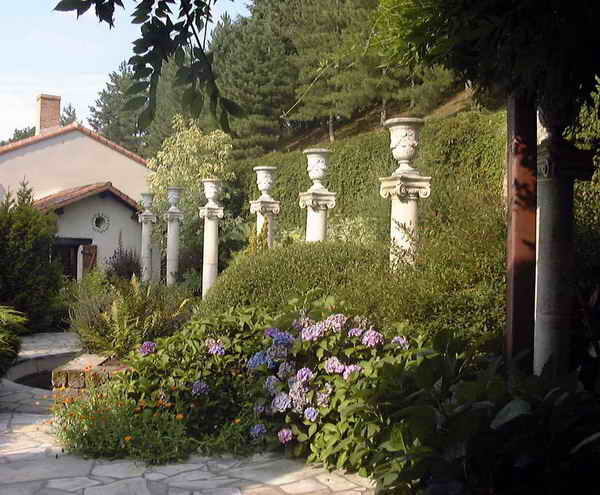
67,250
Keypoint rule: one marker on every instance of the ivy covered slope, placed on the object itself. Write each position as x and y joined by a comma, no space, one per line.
457,282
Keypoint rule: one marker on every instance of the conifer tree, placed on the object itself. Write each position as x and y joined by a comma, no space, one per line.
68,115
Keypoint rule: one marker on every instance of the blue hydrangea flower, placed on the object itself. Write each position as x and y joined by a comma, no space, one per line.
336,322
401,342
313,332
277,352
298,391
271,383
286,369
302,323
311,413
215,347
334,365
285,435
323,395
352,368
281,402
272,332
200,387
259,359
355,332
147,348
284,338
258,431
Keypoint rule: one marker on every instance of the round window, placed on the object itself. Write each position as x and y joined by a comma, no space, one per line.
100,222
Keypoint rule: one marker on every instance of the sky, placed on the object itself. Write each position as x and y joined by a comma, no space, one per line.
43,51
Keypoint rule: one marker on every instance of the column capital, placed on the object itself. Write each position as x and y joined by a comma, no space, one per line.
211,212
559,159
174,216
146,217
265,207
411,187
320,199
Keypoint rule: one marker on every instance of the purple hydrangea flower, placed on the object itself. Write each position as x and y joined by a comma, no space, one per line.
259,359
336,322
285,435
302,323
313,332
277,352
200,387
311,413
215,347
271,383
286,369
271,332
281,402
401,342
323,396
355,332
334,365
298,391
258,431
259,408
304,375
372,338
147,348
352,368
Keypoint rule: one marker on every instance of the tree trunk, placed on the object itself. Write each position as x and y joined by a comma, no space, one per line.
330,126
521,218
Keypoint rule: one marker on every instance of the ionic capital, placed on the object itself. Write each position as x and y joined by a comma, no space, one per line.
146,217
174,216
318,200
405,187
211,212
265,207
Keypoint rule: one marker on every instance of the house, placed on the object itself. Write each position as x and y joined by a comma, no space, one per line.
91,183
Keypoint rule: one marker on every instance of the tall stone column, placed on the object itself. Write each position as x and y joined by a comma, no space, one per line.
147,219
317,200
174,216
404,187
265,207
212,211
559,165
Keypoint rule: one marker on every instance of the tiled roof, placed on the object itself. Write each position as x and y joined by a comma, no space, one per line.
70,196
65,130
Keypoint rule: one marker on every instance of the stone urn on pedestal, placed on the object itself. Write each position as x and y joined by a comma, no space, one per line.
265,207
404,187
147,219
317,200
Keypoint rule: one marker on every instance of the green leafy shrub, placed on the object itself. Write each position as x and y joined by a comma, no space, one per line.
107,423
30,281
9,342
114,317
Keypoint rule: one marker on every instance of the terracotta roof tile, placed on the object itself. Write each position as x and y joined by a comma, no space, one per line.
65,130
70,196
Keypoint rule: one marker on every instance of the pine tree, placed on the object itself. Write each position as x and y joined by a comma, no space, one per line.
19,134
68,115
108,117
253,66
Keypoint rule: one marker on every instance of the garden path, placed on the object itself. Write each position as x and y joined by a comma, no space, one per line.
32,463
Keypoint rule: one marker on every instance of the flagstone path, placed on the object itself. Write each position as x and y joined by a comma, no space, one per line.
32,463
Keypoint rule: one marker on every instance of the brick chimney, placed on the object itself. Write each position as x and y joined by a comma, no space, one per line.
48,109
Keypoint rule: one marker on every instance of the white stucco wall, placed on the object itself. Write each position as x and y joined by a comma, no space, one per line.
77,221
71,160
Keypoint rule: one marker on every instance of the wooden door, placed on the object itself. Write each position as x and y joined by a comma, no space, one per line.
90,256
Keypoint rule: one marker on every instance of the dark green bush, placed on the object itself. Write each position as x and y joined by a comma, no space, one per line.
9,342
124,263
113,317
29,280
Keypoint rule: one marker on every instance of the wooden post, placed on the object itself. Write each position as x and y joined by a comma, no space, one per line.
521,232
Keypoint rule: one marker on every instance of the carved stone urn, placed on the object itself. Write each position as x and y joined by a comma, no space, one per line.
317,167
147,200
173,196
265,176
404,139
212,191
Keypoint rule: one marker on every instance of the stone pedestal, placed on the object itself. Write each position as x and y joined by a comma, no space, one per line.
559,165
317,200
174,217
211,212
265,207
404,191
404,187
147,219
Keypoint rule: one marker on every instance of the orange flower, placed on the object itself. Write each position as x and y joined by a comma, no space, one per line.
237,421
128,438
179,417
173,388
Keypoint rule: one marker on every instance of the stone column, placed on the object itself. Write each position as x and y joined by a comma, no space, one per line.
212,211
404,187
317,200
147,219
265,207
174,216
559,165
